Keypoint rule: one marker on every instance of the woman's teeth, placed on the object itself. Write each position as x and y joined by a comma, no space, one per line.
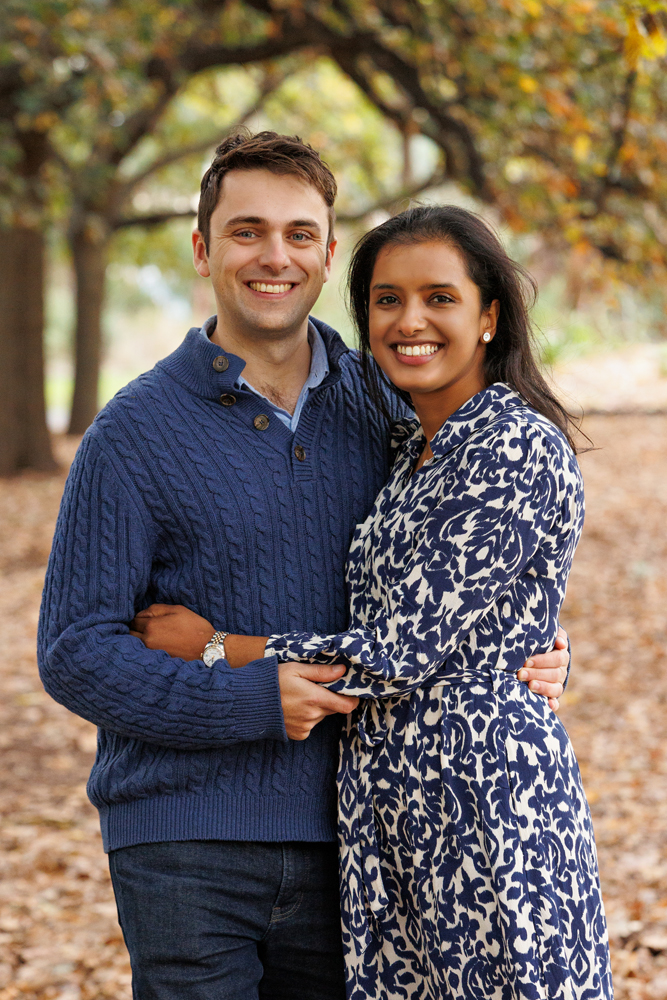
413,350
260,286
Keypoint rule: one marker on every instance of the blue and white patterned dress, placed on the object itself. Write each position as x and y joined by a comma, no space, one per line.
468,865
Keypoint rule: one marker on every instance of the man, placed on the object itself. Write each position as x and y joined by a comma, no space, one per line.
227,480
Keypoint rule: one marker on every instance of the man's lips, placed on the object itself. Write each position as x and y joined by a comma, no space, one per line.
271,288
416,354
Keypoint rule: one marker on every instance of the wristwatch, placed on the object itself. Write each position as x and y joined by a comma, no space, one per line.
214,648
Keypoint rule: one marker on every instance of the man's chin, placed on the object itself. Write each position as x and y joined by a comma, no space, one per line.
277,323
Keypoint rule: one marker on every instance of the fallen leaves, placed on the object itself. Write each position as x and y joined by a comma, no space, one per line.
59,937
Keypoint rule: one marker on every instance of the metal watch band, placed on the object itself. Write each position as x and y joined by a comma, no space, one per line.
214,649
217,639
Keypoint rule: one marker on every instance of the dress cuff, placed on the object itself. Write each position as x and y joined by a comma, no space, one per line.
277,647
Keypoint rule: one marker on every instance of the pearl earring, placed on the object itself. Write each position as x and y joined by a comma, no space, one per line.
486,337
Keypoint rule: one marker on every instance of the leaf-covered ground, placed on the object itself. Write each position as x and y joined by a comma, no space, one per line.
58,931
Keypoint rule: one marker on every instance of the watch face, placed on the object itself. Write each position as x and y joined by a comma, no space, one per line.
211,654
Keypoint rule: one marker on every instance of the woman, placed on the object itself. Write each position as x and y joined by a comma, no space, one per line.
468,865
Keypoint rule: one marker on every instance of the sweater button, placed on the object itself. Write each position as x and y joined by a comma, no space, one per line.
300,453
261,422
221,363
227,399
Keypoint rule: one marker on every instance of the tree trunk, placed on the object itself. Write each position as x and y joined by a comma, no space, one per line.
89,253
24,438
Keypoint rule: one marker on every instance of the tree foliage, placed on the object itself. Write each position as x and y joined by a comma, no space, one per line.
552,112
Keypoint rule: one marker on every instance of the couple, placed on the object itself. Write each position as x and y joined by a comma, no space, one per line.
223,490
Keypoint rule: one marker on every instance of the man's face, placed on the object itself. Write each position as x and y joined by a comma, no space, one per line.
268,255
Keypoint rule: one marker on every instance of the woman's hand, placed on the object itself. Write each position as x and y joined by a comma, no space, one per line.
173,628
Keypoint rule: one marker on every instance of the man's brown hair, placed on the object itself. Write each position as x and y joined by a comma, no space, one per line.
281,154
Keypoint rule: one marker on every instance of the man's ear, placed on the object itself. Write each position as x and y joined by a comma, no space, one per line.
200,256
331,249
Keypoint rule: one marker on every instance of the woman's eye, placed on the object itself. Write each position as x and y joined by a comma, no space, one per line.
387,300
442,298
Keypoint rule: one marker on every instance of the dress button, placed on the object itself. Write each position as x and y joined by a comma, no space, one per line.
227,399
300,453
221,363
261,422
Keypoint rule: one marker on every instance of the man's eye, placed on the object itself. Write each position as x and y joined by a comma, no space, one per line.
246,233
300,237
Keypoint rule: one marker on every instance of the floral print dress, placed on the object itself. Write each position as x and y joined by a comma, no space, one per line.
468,864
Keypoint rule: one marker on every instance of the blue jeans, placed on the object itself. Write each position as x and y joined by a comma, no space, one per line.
224,920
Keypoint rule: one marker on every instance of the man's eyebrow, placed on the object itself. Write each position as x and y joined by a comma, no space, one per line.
256,220
249,220
305,224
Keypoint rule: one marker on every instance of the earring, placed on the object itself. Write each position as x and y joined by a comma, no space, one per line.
486,337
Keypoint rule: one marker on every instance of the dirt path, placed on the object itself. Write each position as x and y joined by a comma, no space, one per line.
58,932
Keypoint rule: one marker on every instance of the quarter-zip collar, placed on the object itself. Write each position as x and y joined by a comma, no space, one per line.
196,362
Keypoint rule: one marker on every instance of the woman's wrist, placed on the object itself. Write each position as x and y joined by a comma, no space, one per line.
242,649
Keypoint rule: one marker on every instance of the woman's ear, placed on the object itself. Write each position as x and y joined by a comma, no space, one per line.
489,321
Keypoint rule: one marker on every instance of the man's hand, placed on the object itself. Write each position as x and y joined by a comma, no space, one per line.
173,628
546,672
304,702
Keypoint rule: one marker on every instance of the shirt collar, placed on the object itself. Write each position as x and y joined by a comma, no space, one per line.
319,362
477,412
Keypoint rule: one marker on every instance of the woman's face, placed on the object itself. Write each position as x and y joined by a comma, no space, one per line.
425,320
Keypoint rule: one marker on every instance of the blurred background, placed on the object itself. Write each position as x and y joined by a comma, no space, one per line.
548,118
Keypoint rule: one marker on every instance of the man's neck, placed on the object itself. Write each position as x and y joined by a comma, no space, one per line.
277,369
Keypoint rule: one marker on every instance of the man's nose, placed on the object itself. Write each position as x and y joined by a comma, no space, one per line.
273,253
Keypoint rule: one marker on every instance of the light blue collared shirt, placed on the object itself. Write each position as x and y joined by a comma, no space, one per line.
319,369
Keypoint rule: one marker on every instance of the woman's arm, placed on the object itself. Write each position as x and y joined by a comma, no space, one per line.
183,633
473,547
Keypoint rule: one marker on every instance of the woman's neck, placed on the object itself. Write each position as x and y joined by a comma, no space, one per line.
433,408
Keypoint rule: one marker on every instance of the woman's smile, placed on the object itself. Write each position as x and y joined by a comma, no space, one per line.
416,354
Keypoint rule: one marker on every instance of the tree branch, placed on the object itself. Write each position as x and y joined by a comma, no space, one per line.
155,219
391,201
270,83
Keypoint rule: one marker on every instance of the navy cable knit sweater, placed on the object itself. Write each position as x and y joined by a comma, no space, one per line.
177,496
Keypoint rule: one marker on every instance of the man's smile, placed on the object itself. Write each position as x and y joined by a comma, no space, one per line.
271,287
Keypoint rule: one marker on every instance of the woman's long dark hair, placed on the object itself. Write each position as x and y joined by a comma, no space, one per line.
510,355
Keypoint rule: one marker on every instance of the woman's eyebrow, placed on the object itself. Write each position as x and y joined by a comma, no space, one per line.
422,288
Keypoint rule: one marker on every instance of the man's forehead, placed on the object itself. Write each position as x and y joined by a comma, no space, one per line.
257,197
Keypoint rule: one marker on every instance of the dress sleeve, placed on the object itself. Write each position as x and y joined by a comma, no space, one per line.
472,546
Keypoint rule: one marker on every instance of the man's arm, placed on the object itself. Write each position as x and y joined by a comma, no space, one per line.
182,633
98,574
547,673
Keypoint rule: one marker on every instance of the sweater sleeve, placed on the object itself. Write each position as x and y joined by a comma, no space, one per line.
97,579
472,547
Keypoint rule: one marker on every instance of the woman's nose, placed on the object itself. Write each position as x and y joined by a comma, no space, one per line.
412,322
